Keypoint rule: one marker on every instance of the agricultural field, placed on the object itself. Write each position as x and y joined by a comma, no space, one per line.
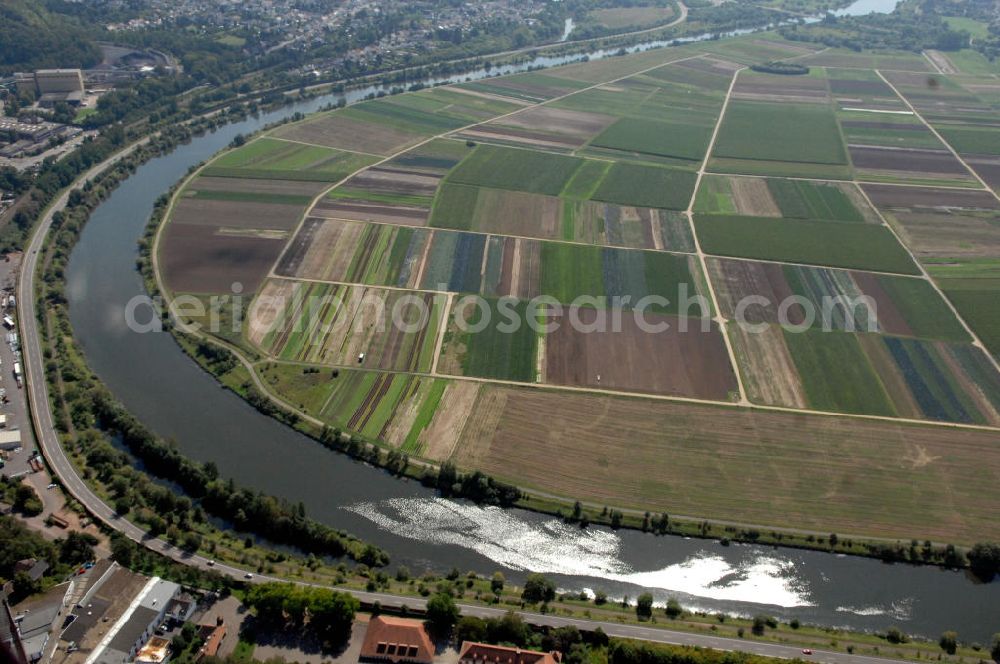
525,89
879,477
847,59
211,244
769,139
868,374
517,170
544,127
491,265
492,340
834,299
833,244
821,191
271,159
974,288
398,409
658,354
331,324
775,197
617,18
941,223
754,49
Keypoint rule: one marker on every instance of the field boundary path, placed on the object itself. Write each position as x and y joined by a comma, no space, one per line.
703,261
62,467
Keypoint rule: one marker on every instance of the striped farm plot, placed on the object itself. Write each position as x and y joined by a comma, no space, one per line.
401,410
778,197
523,214
867,374
341,325
269,158
835,299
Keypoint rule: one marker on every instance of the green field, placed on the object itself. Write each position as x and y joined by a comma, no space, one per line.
683,141
925,312
762,131
836,374
647,186
586,180
497,351
976,301
519,170
972,140
272,159
800,199
856,246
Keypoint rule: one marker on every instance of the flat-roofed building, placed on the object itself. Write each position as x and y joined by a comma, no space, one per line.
58,81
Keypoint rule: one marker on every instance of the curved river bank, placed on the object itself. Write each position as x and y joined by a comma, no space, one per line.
164,388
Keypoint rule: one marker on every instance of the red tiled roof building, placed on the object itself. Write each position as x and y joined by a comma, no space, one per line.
482,653
397,640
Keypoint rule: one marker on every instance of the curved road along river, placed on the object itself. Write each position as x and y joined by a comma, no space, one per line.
62,468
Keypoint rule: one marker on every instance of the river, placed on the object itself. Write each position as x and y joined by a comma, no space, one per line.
164,388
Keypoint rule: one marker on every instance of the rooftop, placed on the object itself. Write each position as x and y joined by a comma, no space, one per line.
473,652
397,640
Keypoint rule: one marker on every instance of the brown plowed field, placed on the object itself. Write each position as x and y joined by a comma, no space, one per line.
688,363
197,259
394,181
832,474
886,196
937,162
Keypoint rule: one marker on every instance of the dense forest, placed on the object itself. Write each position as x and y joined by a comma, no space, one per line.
36,38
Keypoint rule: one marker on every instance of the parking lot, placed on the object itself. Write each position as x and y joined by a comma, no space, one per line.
13,406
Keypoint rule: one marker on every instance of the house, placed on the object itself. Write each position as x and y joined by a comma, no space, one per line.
212,637
483,653
397,640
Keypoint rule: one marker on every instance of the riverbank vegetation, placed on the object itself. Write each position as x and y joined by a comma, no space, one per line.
88,419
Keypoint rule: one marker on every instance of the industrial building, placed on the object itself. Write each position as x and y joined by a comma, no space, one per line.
59,85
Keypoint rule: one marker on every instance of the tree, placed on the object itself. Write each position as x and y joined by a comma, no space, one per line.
995,648
673,609
759,624
77,548
984,559
497,584
538,589
331,614
26,500
644,606
949,642
896,635
442,614
600,597
470,628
